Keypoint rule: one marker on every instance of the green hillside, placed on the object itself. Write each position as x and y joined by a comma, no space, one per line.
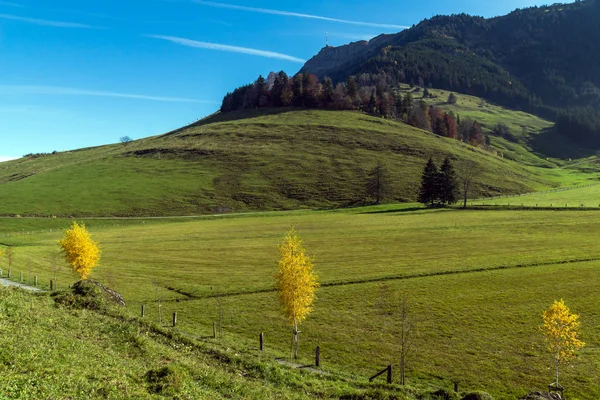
60,352
251,160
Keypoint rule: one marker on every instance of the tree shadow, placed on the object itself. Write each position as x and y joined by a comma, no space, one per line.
399,210
552,144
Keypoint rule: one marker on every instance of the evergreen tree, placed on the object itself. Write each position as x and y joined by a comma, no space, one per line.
429,184
281,81
327,94
452,99
298,90
352,87
407,104
373,104
447,183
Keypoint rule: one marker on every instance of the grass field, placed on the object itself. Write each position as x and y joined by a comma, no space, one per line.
479,281
249,160
587,196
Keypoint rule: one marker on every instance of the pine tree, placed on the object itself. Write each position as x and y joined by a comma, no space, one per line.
452,99
447,183
327,94
429,184
352,87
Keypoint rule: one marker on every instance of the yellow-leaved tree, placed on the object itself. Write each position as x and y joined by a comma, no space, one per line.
296,283
80,251
561,328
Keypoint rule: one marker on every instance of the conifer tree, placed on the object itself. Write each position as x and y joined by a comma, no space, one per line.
429,184
452,99
447,183
352,87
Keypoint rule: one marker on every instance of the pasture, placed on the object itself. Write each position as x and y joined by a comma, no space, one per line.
478,281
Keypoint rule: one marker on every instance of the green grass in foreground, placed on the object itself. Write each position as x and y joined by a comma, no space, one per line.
52,352
248,161
477,327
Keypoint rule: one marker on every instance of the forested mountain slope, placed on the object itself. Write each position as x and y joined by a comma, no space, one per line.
542,60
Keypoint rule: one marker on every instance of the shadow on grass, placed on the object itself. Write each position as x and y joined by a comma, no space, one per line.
397,210
550,143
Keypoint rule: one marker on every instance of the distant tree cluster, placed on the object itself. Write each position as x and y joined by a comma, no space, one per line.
438,186
371,94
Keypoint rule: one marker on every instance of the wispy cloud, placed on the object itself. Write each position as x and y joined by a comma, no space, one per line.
298,15
56,90
9,4
46,22
224,47
7,158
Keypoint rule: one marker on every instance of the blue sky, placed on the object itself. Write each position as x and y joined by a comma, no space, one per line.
83,73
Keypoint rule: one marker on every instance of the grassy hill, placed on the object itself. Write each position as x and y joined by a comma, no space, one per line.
250,160
59,352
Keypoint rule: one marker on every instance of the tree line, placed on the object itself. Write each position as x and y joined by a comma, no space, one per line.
373,95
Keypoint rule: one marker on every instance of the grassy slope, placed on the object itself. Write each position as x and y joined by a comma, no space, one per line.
531,137
278,160
477,327
49,351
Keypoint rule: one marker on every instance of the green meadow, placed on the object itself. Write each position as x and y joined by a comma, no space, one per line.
478,282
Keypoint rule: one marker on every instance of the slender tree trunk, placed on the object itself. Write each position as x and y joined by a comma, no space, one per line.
557,362
296,340
293,342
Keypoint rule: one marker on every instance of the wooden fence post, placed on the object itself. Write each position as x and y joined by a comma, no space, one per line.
456,387
51,284
143,310
35,280
174,319
389,374
318,356
262,341
9,273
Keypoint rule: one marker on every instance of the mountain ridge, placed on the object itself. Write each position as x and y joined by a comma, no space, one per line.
542,60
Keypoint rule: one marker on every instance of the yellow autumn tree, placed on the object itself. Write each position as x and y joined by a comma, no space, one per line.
296,283
561,328
80,251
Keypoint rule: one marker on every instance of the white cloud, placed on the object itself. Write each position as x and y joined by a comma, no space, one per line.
224,47
298,15
55,90
7,158
46,22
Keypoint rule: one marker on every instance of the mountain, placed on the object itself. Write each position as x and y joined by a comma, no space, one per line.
542,60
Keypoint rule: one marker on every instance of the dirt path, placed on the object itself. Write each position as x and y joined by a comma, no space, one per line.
6,282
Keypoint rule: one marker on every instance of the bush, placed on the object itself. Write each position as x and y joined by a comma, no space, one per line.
477,396
89,295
